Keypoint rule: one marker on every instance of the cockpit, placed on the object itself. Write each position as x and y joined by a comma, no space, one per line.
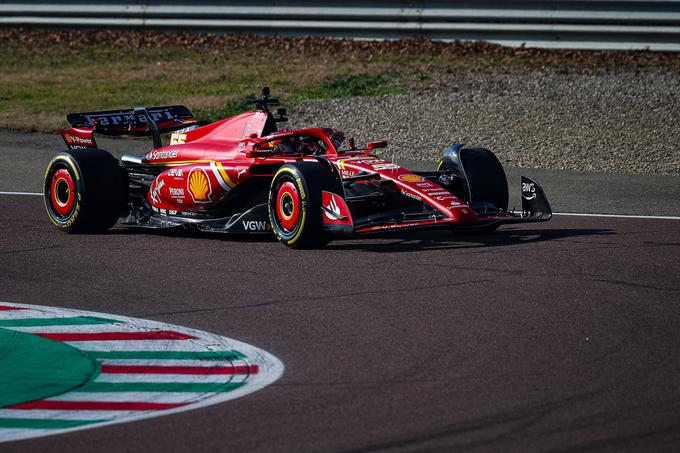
315,142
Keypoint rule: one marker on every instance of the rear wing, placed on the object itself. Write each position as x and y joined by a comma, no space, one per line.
134,121
137,122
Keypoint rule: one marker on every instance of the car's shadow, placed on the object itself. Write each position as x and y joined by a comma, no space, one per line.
402,241
442,240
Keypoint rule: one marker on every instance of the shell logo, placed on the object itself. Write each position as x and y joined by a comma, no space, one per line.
411,178
199,187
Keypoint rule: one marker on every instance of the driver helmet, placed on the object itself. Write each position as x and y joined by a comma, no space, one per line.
290,145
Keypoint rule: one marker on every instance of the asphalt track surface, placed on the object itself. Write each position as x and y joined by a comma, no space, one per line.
561,336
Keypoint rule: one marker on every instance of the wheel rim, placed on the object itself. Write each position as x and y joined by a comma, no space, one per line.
62,193
288,206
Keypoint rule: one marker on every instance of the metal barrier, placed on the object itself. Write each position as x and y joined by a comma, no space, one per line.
586,24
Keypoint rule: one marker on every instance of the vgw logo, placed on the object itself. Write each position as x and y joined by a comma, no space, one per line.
255,225
528,190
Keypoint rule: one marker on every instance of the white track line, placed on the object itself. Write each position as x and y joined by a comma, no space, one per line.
184,378
67,414
623,216
138,397
573,214
164,362
22,193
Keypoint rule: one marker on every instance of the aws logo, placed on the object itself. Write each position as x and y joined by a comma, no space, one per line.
199,186
528,190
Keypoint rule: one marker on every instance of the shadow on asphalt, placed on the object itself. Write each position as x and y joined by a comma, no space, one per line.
403,242
400,241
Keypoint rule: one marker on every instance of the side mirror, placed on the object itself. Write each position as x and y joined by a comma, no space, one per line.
376,145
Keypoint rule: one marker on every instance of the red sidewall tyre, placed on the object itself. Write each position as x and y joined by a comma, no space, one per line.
295,212
63,192
84,191
63,206
288,206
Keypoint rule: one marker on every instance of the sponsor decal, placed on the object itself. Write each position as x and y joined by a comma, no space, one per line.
411,178
392,226
436,191
240,172
113,119
164,154
528,190
360,161
199,186
332,211
176,172
424,184
454,204
177,138
74,216
156,190
259,115
335,210
410,195
75,139
385,166
298,179
255,225
176,192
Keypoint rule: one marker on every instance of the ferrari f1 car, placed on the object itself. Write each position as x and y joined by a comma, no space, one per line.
245,175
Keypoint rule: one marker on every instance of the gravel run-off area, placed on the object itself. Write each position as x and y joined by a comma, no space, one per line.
621,121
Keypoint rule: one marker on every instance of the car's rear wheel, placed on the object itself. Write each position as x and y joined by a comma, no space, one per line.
295,205
84,191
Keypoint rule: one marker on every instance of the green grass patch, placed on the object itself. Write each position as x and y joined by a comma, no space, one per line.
40,88
336,87
351,85
47,74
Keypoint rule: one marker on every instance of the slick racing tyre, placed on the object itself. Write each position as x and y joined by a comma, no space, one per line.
295,204
84,191
486,177
486,181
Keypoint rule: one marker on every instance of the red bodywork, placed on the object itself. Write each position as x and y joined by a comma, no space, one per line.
217,175
203,165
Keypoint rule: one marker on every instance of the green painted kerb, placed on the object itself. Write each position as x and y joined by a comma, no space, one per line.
34,368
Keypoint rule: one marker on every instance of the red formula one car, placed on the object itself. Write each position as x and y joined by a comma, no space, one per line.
245,175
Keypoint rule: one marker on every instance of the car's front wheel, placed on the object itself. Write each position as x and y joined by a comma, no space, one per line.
295,205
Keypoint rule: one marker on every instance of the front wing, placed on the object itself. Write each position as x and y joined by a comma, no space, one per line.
339,220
